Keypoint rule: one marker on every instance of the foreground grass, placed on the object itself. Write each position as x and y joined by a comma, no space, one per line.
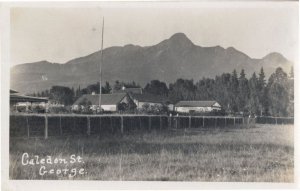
261,154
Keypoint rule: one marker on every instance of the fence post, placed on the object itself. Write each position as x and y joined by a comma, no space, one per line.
88,126
276,120
46,127
234,121
131,126
111,124
160,123
122,125
202,121
190,121
100,121
149,123
225,122
27,126
140,122
60,128
215,122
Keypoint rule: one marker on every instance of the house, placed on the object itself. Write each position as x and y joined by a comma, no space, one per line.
140,98
109,102
197,106
18,100
150,99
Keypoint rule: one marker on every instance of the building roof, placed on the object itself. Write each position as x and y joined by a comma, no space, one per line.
151,98
23,98
13,91
195,103
130,90
106,99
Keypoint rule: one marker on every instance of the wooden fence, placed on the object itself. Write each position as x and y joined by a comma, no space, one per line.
275,120
47,125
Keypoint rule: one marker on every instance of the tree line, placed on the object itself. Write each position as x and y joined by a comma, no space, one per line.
235,92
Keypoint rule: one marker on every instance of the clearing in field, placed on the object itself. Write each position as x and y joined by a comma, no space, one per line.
264,153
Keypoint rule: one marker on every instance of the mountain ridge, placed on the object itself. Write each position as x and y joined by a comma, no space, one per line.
170,59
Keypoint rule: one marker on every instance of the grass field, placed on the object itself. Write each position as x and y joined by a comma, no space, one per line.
264,153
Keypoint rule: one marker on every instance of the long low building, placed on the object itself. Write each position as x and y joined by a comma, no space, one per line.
16,97
197,106
17,100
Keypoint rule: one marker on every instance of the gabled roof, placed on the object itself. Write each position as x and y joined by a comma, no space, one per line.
195,103
106,99
151,98
130,90
22,98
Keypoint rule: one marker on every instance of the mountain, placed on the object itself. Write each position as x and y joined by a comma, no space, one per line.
173,58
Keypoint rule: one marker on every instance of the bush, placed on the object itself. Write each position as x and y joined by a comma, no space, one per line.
156,109
57,109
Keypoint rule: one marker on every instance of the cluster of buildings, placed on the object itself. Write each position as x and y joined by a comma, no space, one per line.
136,98
133,98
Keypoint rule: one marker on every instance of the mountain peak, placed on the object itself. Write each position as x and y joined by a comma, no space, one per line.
179,35
275,56
180,38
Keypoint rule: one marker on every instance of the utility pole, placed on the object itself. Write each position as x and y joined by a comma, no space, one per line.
100,67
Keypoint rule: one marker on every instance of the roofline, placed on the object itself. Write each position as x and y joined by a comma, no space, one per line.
125,94
176,105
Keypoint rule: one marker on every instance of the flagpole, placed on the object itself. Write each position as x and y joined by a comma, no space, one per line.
100,67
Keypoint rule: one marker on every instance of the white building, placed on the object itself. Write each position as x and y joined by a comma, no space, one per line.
197,106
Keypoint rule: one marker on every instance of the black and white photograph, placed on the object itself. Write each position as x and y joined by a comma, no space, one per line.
149,92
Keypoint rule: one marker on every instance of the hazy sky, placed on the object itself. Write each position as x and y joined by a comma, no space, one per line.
59,34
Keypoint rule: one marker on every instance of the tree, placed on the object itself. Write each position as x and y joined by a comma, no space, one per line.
182,90
123,107
253,102
106,89
222,91
262,93
156,87
61,94
233,92
291,92
85,106
205,89
278,93
243,92
117,85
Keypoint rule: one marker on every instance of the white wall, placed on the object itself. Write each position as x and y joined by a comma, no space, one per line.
109,107
196,109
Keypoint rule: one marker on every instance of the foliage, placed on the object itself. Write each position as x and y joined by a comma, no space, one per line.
156,87
278,93
61,94
236,94
118,85
153,109
85,106
95,88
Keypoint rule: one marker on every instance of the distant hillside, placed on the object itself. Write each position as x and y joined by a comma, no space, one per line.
176,57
